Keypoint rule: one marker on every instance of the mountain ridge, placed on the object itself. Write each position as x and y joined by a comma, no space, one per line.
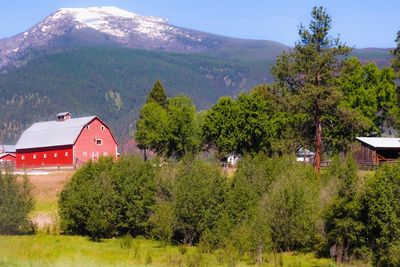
68,66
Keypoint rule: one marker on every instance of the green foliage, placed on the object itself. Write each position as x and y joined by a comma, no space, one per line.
158,94
163,222
308,73
171,131
134,183
79,80
16,202
106,199
182,128
248,124
396,55
253,236
343,222
87,203
292,208
126,241
200,193
151,126
382,215
370,94
252,180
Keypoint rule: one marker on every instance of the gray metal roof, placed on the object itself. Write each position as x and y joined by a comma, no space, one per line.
7,148
380,142
53,133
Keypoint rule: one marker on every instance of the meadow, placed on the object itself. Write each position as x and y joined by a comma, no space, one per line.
58,250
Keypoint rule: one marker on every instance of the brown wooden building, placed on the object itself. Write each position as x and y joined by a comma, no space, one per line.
373,151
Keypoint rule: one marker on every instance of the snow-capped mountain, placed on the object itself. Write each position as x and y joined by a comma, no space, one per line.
68,27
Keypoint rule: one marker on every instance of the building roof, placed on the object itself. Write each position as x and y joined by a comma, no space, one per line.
7,148
63,114
380,142
53,133
2,155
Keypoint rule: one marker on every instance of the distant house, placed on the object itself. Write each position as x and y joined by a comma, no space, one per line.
377,150
232,159
7,155
305,155
66,141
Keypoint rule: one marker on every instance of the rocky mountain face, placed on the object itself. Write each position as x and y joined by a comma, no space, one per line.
98,26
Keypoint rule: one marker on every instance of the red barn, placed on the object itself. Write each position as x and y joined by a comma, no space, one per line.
65,142
7,159
7,155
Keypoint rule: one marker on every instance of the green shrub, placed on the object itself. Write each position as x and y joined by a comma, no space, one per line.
292,207
344,227
163,222
107,198
135,188
15,204
381,215
200,194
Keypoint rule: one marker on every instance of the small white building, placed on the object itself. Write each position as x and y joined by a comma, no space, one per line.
232,159
305,155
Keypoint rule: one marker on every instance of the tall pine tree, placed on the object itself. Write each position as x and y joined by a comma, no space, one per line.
308,71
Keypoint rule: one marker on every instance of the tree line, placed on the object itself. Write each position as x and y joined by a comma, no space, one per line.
270,205
321,99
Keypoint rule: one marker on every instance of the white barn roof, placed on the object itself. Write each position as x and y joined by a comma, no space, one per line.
381,142
53,133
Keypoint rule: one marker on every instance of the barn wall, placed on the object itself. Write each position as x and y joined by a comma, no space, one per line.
86,148
54,156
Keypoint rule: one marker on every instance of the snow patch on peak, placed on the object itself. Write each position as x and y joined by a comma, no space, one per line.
90,13
100,18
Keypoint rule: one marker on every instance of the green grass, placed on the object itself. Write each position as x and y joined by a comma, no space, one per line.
44,206
49,250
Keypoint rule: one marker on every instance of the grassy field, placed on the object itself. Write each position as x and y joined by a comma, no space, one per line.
49,250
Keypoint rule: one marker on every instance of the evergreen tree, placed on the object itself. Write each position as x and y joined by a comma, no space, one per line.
308,73
158,94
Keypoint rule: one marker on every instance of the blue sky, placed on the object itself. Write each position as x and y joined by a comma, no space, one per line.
366,23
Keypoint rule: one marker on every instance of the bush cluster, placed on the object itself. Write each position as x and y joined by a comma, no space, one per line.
269,205
15,204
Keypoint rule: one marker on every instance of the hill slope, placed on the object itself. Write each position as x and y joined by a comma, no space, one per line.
113,83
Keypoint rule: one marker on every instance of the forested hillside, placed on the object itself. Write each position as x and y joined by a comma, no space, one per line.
113,82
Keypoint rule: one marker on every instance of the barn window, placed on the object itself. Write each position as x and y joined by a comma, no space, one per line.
55,155
34,156
45,156
66,154
99,141
84,154
22,157
88,127
102,128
